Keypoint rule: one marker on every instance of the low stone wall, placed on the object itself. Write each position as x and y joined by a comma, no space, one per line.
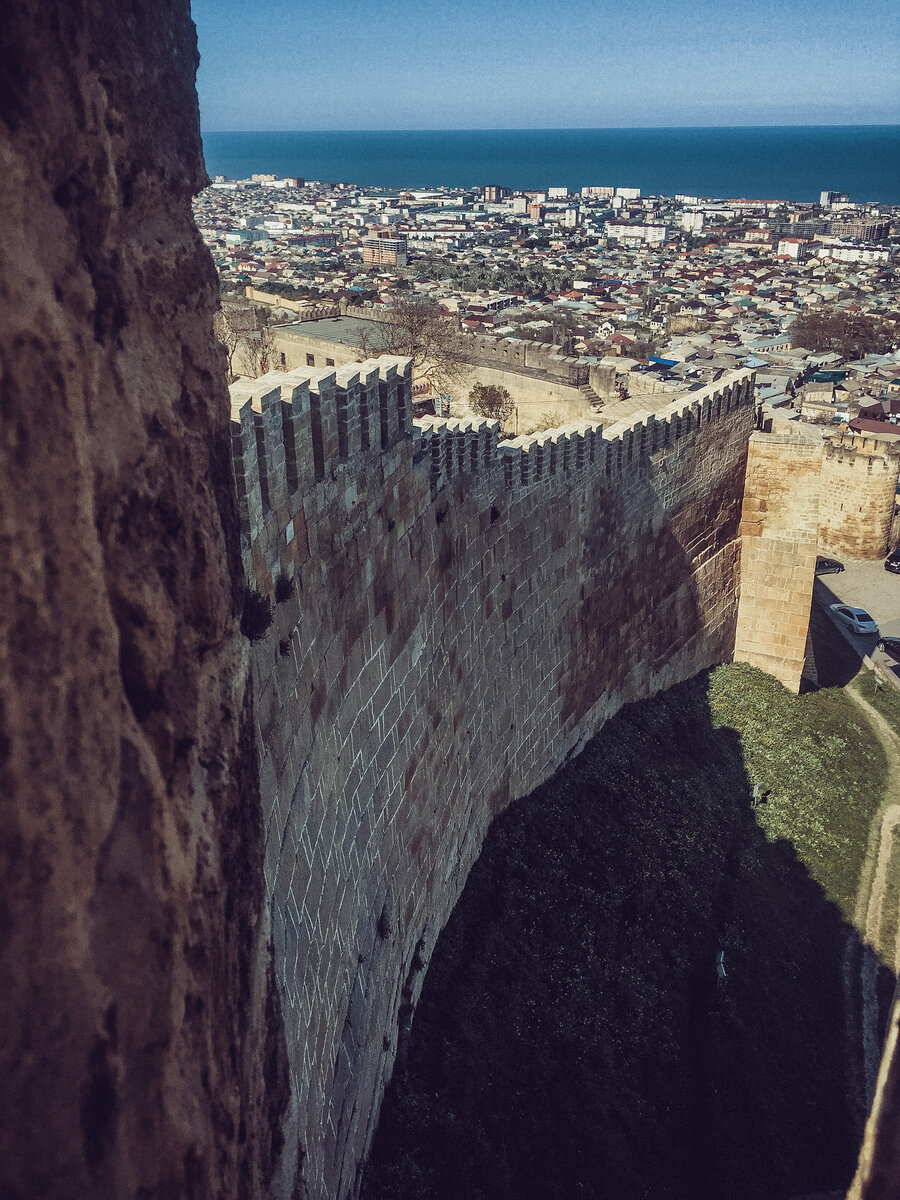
464,615
534,396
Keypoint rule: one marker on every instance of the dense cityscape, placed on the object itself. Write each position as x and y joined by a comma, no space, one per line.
670,292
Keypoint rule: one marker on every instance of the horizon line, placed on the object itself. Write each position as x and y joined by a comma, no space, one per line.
565,128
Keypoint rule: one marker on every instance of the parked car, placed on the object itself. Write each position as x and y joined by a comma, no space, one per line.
828,566
892,562
891,647
857,620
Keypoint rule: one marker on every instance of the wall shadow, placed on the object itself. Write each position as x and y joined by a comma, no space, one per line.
572,1039
834,660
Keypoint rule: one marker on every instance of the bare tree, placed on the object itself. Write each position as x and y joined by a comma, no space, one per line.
416,327
242,328
228,336
550,418
851,335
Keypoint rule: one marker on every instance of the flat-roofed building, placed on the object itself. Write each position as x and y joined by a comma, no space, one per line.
862,231
383,247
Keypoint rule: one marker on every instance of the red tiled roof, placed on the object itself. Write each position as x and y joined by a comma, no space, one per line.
864,425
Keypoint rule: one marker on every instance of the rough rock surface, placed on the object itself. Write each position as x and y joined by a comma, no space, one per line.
141,1022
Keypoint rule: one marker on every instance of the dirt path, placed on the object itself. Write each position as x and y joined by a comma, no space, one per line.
861,966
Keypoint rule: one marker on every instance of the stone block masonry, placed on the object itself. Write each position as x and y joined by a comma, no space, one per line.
778,557
859,491
805,496
463,615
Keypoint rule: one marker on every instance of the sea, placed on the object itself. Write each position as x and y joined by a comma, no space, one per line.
791,162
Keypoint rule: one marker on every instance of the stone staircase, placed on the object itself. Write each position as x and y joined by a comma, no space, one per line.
593,398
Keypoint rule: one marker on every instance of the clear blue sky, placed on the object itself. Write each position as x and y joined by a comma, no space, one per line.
506,64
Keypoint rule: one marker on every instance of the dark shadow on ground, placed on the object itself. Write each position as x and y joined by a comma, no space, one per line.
834,660
572,1040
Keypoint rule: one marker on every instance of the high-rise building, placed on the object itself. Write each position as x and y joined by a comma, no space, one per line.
826,199
384,248
862,231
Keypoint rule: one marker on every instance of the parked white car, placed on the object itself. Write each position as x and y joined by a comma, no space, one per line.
857,620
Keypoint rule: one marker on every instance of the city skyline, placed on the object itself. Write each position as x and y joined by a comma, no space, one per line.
514,64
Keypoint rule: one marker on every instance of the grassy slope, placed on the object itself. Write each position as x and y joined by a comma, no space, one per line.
571,1040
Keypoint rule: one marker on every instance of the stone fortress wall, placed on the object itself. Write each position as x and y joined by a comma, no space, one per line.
858,495
462,616
519,355
779,538
468,613
806,495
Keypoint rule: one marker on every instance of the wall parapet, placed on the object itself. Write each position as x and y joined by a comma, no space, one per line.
291,429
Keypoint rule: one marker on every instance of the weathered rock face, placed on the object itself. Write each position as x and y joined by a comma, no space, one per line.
140,1013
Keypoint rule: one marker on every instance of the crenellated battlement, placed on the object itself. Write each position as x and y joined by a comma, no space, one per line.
458,446
292,430
864,445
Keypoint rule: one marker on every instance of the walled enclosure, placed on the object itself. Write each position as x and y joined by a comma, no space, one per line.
464,615
142,1050
550,382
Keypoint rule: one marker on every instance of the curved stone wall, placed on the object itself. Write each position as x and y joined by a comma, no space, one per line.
462,616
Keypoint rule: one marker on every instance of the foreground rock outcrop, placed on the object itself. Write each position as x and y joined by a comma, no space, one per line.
139,1009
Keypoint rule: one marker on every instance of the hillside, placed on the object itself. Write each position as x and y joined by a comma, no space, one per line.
572,1040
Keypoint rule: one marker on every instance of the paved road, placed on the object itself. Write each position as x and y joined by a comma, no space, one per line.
866,584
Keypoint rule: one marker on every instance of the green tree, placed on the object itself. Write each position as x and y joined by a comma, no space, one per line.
492,401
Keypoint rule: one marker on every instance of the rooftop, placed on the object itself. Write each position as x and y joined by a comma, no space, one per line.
331,329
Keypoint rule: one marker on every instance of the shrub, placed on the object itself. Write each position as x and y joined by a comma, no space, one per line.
256,616
551,418
284,589
491,401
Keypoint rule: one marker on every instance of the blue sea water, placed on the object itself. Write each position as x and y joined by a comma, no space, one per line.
782,162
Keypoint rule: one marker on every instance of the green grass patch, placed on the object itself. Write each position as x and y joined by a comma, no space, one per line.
571,1040
887,940
821,763
883,697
